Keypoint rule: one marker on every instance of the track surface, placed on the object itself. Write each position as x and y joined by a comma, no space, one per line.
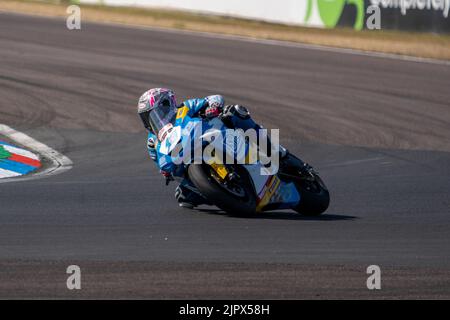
378,130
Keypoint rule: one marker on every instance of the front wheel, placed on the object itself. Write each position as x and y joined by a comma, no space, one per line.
236,197
314,196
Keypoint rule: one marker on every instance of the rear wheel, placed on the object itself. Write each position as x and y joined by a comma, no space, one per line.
314,196
234,197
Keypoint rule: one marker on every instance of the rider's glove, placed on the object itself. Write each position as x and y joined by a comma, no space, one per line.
167,175
212,112
214,106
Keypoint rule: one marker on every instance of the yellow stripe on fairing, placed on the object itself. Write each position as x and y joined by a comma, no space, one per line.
269,189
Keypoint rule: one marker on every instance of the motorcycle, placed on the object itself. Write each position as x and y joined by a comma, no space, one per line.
238,188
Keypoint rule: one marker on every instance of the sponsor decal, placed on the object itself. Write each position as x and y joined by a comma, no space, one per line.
164,131
405,5
182,112
327,13
419,15
269,190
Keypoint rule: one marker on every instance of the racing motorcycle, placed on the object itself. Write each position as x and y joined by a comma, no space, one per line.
237,188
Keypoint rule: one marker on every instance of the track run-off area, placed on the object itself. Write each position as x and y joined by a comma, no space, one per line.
377,130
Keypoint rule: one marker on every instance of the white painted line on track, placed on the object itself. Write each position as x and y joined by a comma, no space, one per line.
59,162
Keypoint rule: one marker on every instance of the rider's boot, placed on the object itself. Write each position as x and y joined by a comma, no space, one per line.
188,197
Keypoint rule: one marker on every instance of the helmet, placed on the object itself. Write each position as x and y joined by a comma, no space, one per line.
156,108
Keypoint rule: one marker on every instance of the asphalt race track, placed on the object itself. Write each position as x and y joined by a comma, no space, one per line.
377,130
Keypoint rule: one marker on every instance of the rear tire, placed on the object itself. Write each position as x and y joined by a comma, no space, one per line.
314,197
210,189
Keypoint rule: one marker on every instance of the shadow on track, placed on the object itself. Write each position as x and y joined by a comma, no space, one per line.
281,215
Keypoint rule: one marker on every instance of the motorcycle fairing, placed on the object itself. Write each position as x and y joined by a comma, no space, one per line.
170,141
270,190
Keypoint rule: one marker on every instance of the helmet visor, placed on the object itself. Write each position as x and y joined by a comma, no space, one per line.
161,117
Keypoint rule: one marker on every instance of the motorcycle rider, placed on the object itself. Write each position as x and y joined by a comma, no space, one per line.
150,105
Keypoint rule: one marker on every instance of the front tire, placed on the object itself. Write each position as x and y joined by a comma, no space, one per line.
314,197
210,188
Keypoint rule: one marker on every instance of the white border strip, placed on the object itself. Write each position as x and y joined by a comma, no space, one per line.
20,152
59,163
8,174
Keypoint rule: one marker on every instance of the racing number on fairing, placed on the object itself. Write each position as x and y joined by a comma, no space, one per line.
170,141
